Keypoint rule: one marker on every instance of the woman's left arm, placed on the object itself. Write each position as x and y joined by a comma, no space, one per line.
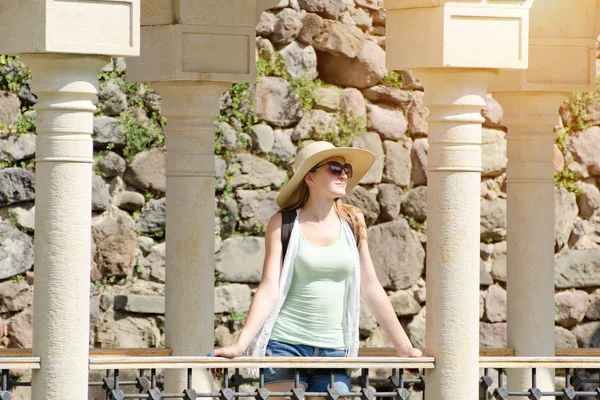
379,304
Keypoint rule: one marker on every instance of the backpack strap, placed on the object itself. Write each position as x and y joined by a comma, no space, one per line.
287,223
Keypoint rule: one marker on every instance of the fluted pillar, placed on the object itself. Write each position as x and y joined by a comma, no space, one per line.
455,98
190,109
66,87
530,118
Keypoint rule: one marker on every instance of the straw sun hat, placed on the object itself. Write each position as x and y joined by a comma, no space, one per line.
316,152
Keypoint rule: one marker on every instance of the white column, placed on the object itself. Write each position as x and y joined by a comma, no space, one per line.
530,117
455,99
66,86
190,109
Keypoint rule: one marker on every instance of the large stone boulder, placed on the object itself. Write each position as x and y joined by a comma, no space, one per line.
10,107
256,207
493,152
140,304
389,197
493,219
416,114
404,303
418,158
111,165
492,335
15,147
231,298
588,200
416,329
115,243
577,269
585,146
240,259
154,264
327,98
338,39
588,334
391,96
253,172
360,72
372,142
565,214
564,338
570,307
20,330
113,100
14,296
127,331
300,60
397,254
100,195
152,218
16,185
492,114
414,203
283,149
366,201
275,103
16,251
107,130
397,163
315,123
389,122
325,8
495,304
147,171
288,24
353,104
266,24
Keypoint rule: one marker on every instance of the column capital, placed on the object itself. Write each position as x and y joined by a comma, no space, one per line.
530,117
190,109
198,40
457,34
562,49
455,98
81,27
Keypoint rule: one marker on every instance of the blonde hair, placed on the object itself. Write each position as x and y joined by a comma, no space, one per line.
351,214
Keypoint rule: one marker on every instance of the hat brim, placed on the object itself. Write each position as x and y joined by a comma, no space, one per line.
360,159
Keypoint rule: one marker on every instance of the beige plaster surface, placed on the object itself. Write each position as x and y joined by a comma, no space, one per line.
70,26
190,109
66,86
454,98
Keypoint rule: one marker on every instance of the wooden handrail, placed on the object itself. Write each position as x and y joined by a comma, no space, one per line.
174,362
364,352
390,352
94,352
19,363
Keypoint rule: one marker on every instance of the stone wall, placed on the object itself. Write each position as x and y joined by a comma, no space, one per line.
321,76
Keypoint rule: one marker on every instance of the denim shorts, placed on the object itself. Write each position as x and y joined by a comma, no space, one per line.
315,380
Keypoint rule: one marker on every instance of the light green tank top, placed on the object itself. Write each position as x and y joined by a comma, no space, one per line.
314,311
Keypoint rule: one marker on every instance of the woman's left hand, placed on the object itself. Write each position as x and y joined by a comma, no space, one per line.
410,352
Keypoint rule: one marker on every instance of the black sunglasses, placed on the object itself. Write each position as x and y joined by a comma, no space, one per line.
336,168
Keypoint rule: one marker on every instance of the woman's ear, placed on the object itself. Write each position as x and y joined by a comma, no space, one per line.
308,179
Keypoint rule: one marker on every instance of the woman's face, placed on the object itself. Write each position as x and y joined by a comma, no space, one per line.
323,182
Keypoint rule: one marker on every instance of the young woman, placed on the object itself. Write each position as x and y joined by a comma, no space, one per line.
307,304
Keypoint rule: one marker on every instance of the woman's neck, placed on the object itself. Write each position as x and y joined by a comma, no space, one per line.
318,210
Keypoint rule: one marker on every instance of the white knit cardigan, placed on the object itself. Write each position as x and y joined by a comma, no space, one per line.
258,346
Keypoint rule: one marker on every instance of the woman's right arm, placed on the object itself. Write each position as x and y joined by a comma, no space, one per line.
267,294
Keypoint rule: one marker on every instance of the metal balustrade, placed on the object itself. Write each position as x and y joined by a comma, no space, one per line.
395,386
571,366
577,374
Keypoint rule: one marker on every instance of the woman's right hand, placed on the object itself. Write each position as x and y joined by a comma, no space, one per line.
228,352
